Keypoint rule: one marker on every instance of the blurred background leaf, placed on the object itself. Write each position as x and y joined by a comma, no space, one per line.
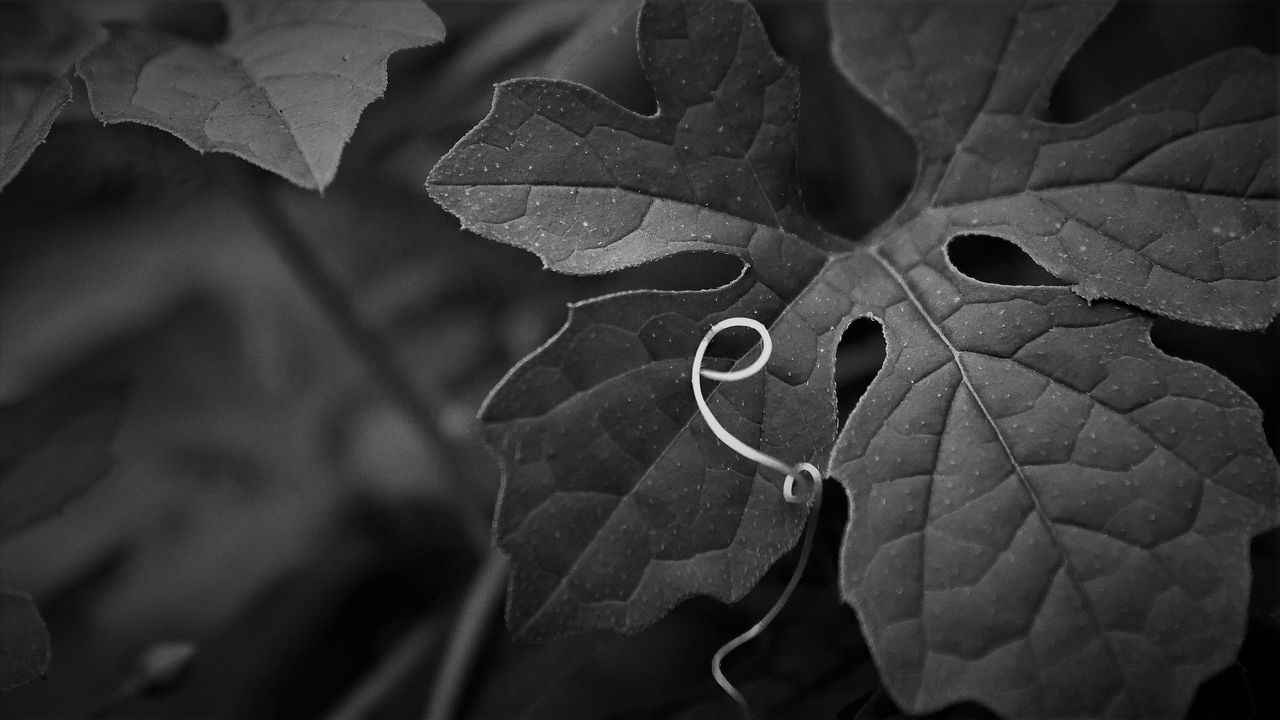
53,446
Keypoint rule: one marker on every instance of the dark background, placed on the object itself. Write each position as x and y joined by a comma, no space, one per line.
273,505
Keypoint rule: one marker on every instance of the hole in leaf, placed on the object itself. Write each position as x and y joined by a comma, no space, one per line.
994,260
1248,359
858,358
1173,35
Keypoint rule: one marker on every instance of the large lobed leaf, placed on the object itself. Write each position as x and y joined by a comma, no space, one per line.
1049,515
283,91
1055,515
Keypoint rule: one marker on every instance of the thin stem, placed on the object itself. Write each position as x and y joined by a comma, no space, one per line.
754,631
418,401
474,615
397,664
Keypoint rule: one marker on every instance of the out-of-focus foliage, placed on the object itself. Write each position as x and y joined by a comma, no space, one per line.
54,446
284,90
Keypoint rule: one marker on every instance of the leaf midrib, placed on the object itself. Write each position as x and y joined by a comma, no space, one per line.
257,83
1068,566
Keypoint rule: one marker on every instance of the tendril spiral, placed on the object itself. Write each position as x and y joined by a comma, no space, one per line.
766,349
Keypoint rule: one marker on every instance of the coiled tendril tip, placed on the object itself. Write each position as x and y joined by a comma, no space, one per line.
791,472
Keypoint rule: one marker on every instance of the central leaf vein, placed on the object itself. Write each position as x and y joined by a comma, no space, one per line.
1072,574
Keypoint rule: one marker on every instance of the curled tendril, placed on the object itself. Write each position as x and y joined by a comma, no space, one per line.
788,487
726,437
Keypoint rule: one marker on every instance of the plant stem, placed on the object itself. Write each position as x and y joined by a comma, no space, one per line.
477,609
379,682
418,401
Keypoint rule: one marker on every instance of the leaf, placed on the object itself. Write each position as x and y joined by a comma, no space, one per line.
39,44
24,641
54,445
284,91
1049,515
